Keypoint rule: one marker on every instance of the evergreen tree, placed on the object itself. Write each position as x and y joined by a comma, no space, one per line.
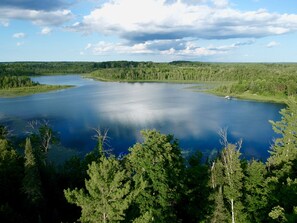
11,171
256,191
31,181
107,195
194,204
159,163
283,159
282,165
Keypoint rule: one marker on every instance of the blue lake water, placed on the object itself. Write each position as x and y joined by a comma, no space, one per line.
126,108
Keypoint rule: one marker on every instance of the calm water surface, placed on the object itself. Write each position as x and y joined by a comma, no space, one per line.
126,108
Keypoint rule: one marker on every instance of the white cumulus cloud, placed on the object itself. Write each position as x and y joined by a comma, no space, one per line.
45,31
145,20
272,44
220,3
182,48
19,35
37,17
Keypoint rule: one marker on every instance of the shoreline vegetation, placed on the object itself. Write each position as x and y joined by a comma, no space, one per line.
267,82
14,86
275,82
25,91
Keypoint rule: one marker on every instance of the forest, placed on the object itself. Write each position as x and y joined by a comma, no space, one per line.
274,82
12,86
48,68
153,182
258,81
16,81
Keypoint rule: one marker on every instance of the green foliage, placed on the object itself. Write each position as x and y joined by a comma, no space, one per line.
11,172
31,181
278,214
194,205
267,80
42,137
3,132
159,163
107,194
256,191
16,82
37,68
282,161
227,182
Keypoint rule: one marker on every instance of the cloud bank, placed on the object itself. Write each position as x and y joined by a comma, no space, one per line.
42,13
148,20
174,27
45,5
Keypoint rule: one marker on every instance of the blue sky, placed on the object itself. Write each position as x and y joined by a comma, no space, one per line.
148,30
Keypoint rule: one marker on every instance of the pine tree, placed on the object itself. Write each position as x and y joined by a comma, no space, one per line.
282,165
11,171
195,204
283,159
256,191
31,181
107,195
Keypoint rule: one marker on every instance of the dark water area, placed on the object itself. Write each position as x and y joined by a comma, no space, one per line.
126,108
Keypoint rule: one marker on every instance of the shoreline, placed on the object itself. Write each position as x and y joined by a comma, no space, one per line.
26,91
244,96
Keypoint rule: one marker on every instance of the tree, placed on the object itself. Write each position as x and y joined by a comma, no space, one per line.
194,204
227,177
4,132
159,163
107,194
256,191
282,164
10,174
31,181
42,137
283,159
220,212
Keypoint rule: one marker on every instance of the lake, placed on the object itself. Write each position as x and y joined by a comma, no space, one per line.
126,108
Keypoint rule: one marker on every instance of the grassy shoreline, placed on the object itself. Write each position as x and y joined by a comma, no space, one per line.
252,97
24,91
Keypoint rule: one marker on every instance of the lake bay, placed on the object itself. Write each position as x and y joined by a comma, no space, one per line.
126,108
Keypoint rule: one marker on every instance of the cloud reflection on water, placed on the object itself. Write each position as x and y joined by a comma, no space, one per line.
125,108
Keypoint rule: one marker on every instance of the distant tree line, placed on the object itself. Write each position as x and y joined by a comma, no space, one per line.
153,182
269,79
263,79
43,68
16,81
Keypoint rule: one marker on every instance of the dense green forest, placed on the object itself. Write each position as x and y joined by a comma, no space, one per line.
259,81
153,182
16,81
273,81
11,86
45,68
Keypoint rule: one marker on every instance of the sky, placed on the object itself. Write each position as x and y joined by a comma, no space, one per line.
148,30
